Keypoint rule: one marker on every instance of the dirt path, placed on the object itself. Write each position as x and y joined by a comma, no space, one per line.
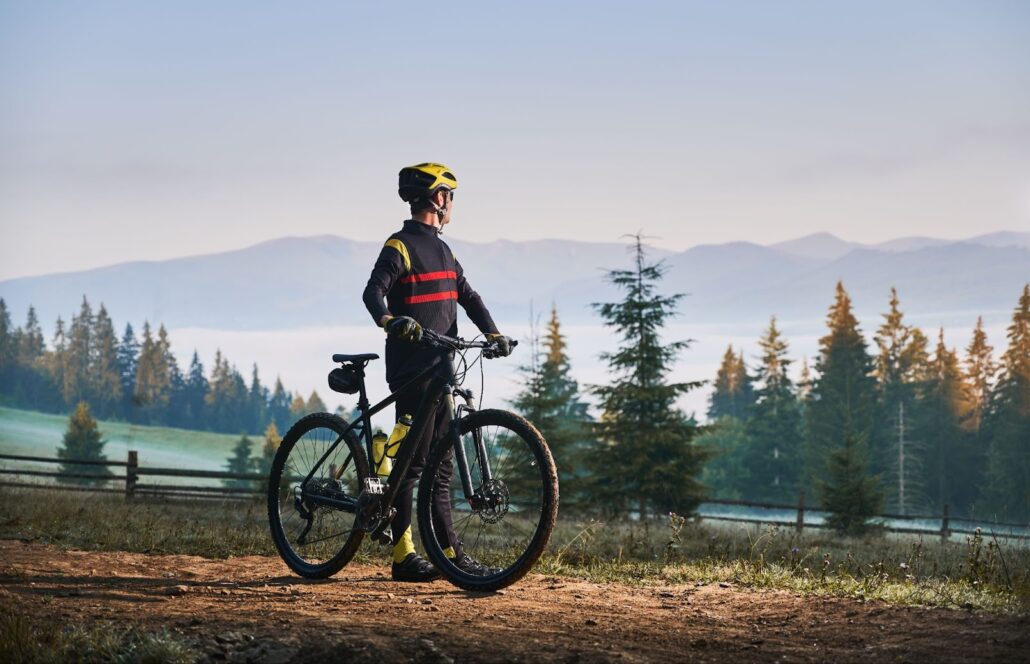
251,609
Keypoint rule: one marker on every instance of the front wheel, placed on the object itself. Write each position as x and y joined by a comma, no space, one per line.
506,523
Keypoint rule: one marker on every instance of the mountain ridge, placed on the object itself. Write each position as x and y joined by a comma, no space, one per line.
296,281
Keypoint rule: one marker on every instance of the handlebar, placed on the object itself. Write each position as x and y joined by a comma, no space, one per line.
438,340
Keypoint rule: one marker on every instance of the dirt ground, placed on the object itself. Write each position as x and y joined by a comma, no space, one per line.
252,609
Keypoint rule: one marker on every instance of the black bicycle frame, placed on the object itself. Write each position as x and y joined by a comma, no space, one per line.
440,386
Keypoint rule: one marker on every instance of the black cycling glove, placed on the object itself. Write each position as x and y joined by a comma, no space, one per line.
500,347
404,328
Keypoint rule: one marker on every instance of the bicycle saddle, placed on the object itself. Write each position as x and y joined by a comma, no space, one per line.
360,357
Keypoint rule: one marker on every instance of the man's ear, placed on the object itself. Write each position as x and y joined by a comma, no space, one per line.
440,198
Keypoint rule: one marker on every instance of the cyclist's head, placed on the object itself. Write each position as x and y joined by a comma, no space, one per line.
428,187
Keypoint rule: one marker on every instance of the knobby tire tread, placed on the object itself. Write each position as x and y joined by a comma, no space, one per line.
548,517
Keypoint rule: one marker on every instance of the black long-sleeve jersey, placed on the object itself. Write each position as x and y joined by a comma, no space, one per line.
418,276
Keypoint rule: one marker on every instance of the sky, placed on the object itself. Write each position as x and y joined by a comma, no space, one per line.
142,131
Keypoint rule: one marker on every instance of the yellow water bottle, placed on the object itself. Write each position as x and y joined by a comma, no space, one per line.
400,430
382,463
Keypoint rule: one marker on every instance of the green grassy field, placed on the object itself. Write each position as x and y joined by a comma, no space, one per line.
39,434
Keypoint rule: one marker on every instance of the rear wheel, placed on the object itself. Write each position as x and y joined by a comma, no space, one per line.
314,539
507,522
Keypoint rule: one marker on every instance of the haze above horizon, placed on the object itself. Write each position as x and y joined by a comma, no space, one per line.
148,132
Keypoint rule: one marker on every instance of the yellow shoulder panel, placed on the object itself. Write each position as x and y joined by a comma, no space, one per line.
399,246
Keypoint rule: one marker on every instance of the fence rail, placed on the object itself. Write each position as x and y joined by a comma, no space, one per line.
131,478
133,488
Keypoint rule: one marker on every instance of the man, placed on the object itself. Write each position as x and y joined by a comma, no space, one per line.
422,283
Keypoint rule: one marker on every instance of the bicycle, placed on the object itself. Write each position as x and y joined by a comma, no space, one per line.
323,499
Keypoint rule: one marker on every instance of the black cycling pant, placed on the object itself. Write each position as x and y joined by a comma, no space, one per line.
439,420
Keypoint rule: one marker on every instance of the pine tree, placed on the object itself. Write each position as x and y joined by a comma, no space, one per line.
279,406
840,409
269,447
240,462
128,361
82,442
734,394
848,493
772,457
980,370
901,369
195,413
7,347
104,375
257,401
76,386
1007,424
647,454
951,462
57,361
32,347
298,408
315,403
550,400
727,471
152,380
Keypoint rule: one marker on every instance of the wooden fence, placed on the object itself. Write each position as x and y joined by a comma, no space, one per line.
133,473
134,488
945,529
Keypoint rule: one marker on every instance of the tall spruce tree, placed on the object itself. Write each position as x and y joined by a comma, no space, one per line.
980,370
57,360
901,371
773,453
195,413
839,412
31,347
951,460
279,406
734,394
550,400
104,376
76,386
82,442
1007,425
647,456
152,380
315,403
128,361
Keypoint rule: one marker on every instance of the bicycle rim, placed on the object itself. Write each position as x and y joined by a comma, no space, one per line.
315,540
507,522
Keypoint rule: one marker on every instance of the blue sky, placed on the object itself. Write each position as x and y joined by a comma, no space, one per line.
134,130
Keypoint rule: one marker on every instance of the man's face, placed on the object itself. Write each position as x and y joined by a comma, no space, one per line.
445,199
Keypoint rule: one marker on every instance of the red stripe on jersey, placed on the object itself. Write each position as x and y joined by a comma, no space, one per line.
431,297
429,276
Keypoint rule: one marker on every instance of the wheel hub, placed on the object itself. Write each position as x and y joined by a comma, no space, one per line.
493,501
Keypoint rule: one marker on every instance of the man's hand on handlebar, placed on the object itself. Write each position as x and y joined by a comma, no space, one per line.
404,328
500,346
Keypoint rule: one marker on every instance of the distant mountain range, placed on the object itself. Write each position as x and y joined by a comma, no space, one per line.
313,281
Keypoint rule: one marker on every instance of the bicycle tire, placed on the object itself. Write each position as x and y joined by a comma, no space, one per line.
547,476
333,426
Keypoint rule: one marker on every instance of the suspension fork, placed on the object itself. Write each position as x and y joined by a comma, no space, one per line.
479,447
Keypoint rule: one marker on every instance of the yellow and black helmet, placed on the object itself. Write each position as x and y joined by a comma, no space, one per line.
422,180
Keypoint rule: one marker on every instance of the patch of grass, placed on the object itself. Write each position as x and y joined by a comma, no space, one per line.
40,434
28,641
902,569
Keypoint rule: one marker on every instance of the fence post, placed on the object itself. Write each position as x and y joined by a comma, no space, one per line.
801,511
130,475
945,531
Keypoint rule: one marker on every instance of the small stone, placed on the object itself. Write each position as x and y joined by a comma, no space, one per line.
427,601
723,584
176,590
590,622
502,592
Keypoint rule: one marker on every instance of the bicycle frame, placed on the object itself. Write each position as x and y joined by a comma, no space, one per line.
440,387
